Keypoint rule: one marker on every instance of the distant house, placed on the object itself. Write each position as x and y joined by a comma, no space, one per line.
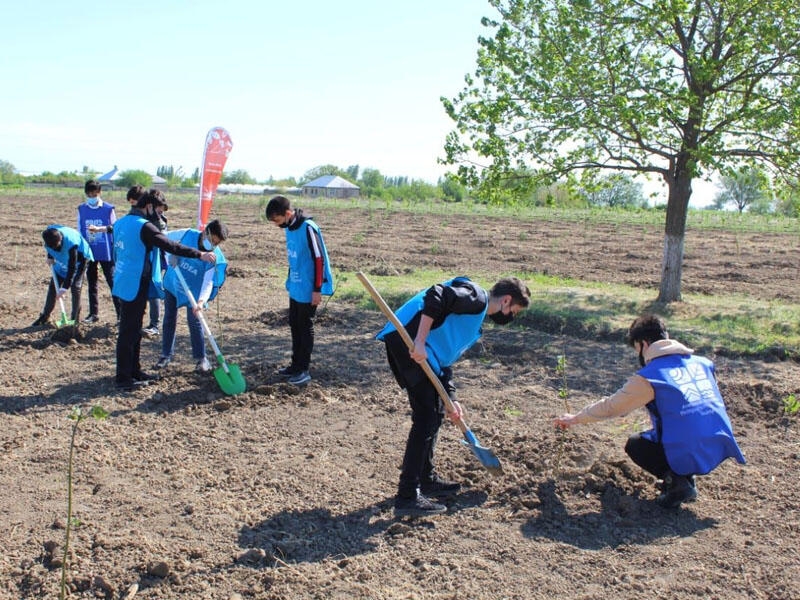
330,186
111,179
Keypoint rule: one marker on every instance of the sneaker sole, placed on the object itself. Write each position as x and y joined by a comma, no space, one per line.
412,512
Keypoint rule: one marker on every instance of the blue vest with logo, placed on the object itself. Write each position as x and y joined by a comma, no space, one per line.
688,414
193,269
129,256
102,243
71,238
446,343
300,282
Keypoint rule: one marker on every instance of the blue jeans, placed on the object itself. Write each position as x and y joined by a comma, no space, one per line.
168,334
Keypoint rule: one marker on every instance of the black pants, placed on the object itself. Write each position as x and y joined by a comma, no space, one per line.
301,322
648,455
92,277
427,414
75,290
129,339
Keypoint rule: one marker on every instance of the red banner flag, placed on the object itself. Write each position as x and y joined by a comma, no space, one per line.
218,147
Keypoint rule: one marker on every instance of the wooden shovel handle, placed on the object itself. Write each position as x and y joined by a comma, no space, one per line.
389,314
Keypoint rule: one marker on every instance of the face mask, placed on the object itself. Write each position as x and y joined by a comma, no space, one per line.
283,225
93,201
502,319
207,245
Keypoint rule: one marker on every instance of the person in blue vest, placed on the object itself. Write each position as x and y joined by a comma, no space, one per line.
67,254
137,266
691,432
202,279
96,224
444,321
309,278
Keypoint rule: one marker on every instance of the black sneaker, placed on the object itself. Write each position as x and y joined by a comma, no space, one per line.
39,322
162,363
437,487
142,377
91,319
130,384
677,490
300,378
417,507
289,371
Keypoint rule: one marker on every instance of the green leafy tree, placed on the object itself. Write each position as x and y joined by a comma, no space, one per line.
371,182
8,173
673,88
788,200
745,187
352,173
452,189
134,177
321,170
617,191
239,176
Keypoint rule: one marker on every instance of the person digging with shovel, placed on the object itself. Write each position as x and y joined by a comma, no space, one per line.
444,320
691,432
67,255
136,244
203,280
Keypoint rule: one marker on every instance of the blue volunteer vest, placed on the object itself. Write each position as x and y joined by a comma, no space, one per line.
129,256
300,282
102,243
193,269
688,414
71,238
446,343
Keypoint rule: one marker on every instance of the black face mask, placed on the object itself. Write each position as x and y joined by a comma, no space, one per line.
502,319
283,225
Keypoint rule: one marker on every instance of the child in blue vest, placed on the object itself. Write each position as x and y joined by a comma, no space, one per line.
309,278
444,321
202,279
67,254
691,432
96,224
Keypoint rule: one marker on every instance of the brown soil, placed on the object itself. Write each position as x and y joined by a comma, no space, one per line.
286,493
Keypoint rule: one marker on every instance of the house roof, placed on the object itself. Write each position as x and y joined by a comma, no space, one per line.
112,175
331,181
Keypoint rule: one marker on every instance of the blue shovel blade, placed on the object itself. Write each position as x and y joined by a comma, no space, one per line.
486,456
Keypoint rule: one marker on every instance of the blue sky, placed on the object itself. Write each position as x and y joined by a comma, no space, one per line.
297,84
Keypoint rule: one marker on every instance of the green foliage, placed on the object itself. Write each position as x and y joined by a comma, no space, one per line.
745,187
672,89
134,177
174,177
617,191
452,189
8,174
791,404
238,176
321,170
77,416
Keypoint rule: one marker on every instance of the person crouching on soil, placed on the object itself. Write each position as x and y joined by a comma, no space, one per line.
691,432
67,254
202,279
444,321
136,244
309,278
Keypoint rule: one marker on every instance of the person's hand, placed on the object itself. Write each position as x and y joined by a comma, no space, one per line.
566,421
419,353
198,308
316,298
209,257
60,293
457,414
96,228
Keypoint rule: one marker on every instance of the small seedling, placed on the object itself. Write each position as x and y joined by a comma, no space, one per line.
791,405
76,415
563,393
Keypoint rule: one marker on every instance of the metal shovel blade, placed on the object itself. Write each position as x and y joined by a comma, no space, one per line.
486,456
229,377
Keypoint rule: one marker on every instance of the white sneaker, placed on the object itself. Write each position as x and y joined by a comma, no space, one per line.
203,366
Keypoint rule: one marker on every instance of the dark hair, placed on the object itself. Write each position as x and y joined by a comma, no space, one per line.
153,197
647,328
52,238
136,192
92,186
217,228
278,206
514,287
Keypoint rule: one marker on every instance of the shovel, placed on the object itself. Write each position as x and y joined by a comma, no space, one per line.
486,456
229,377
63,321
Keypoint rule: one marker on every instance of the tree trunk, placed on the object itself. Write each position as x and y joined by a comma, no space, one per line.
680,190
